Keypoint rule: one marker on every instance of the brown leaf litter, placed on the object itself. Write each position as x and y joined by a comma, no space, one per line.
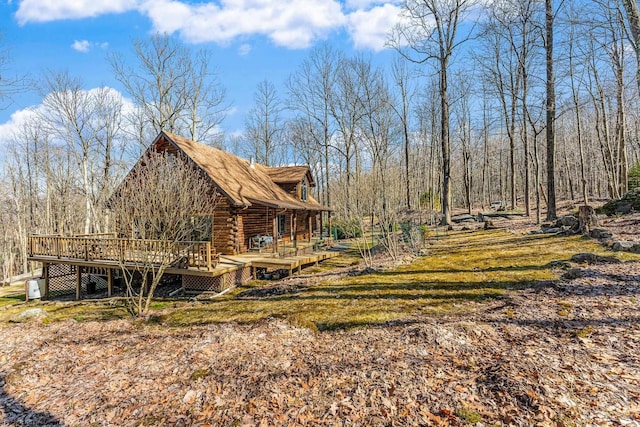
561,354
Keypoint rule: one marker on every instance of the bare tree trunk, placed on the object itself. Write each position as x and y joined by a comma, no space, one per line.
578,120
446,144
430,30
551,113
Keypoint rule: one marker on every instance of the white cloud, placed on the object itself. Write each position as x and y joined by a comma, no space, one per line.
370,28
293,24
367,4
83,46
16,122
289,24
46,11
244,49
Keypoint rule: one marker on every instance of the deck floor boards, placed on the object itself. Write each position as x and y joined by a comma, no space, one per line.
228,263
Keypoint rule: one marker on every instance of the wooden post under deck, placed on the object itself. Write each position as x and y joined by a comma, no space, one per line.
109,282
78,281
45,272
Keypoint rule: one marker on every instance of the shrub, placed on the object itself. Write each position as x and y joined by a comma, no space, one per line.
346,229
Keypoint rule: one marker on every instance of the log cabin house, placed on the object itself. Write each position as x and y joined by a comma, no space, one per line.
261,210
261,206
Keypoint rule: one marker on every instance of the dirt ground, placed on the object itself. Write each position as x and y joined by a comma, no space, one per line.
563,352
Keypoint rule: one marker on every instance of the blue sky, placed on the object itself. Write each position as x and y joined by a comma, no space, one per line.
251,40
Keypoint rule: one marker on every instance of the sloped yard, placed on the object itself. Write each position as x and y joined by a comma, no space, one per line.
483,329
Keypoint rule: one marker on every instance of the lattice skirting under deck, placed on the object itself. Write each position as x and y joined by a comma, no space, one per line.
62,280
218,283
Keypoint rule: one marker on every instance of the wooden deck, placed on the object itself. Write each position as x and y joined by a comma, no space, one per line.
194,261
292,263
109,251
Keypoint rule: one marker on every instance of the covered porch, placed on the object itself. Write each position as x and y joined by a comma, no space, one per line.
269,227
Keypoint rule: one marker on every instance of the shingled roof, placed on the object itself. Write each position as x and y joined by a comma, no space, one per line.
290,174
244,184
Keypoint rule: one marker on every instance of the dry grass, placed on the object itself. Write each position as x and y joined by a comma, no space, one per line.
461,270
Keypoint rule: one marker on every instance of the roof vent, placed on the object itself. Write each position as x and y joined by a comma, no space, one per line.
251,164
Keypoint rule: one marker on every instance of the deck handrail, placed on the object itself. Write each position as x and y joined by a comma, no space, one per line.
114,235
184,254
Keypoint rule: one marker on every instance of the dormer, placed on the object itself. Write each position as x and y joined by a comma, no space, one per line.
295,180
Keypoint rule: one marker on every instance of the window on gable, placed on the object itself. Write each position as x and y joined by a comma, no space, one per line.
304,192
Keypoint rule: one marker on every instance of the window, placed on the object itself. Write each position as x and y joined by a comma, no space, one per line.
282,224
201,227
304,191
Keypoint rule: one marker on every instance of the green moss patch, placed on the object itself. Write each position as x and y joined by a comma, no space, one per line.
461,270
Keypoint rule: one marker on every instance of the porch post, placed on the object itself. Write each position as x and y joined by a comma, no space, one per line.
275,231
78,281
309,227
294,220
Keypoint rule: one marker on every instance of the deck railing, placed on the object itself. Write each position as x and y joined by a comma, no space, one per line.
182,254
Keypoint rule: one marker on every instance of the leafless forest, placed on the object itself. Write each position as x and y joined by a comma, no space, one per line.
525,101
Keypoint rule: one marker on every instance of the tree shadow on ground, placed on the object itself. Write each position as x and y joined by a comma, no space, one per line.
15,413
569,327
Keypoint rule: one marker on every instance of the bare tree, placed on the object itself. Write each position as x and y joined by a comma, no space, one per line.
310,95
551,111
174,87
10,84
402,107
87,121
347,110
205,101
430,30
264,126
305,150
605,57
378,128
464,135
503,73
165,201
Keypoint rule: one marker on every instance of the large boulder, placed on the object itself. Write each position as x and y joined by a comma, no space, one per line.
463,218
32,313
599,233
626,246
630,202
567,221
